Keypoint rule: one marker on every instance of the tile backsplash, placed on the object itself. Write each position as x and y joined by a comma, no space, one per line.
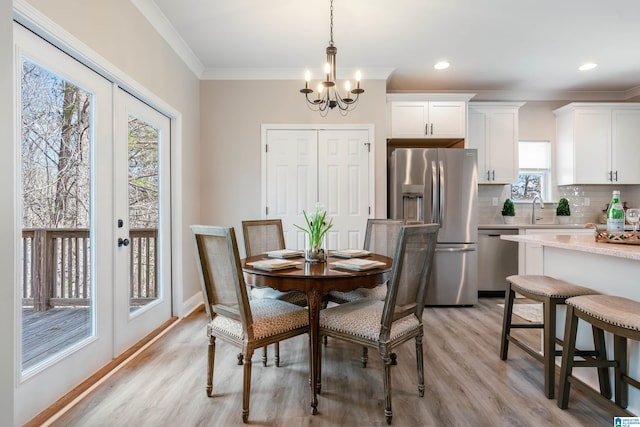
587,203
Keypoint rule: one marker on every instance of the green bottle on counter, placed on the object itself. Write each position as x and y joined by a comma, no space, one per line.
615,214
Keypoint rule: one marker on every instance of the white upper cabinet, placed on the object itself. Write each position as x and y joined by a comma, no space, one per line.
493,131
414,116
598,143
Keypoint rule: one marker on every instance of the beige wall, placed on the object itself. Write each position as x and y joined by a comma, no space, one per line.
117,31
232,115
7,221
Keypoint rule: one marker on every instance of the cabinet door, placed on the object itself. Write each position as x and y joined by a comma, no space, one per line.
476,139
494,133
502,146
447,119
592,146
625,146
409,119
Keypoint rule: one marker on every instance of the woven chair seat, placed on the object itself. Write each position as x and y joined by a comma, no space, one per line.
614,310
294,297
362,319
379,293
548,286
270,317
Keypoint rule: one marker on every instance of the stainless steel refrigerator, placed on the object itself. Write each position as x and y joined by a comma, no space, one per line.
440,185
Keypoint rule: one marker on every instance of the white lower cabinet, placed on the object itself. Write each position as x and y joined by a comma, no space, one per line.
530,256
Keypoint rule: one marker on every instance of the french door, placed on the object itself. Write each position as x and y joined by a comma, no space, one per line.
95,215
142,220
332,167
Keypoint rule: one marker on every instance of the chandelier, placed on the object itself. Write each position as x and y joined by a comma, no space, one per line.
329,95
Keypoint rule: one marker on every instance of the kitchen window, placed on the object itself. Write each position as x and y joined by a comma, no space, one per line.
534,178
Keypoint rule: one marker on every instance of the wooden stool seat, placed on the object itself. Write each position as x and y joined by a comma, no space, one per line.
550,292
616,315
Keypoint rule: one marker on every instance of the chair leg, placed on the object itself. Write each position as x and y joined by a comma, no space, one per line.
568,355
620,355
264,355
386,360
420,363
601,355
506,321
276,351
549,347
365,356
211,354
246,388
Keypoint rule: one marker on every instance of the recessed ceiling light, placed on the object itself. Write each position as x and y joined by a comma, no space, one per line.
587,66
442,65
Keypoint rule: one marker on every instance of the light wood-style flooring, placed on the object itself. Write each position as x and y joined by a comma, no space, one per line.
466,383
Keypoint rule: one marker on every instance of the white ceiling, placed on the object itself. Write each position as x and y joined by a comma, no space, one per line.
492,45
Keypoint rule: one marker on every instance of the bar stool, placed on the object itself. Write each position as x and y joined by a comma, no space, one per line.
617,315
550,292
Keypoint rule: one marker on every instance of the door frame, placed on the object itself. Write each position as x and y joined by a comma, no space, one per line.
264,130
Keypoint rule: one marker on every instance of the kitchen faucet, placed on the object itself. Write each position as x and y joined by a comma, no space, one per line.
533,208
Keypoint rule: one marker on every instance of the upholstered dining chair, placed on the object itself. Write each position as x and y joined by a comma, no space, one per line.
233,317
384,325
261,236
381,236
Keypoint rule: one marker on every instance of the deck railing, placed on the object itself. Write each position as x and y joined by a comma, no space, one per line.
56,267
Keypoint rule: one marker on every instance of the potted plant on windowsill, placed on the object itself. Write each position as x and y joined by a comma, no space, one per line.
563,211
508,211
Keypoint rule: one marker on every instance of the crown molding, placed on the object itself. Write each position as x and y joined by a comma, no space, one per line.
159,21
287,74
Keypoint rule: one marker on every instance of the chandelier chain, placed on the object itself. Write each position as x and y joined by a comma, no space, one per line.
331,24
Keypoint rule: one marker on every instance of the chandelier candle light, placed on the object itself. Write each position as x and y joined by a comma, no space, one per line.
328,94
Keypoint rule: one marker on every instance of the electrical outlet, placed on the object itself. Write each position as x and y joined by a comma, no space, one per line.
494,201
587,201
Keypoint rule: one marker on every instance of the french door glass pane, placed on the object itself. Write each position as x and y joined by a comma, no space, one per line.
143,212
56,143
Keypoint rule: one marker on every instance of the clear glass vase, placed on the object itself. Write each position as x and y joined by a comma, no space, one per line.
315,254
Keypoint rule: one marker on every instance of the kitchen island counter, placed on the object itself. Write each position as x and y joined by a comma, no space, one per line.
580,243
609,268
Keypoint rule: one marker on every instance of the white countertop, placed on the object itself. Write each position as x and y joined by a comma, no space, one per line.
580,243
521,226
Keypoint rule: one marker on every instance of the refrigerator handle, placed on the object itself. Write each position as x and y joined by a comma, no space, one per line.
434,193
455,249
442,191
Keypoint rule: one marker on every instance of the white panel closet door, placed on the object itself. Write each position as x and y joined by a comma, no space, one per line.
292,179
326,166
343,185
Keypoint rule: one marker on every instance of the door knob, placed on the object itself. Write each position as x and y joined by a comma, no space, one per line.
122,242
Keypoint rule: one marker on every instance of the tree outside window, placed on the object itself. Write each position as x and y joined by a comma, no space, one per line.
535,171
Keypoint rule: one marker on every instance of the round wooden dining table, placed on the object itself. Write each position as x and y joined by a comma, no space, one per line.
316,280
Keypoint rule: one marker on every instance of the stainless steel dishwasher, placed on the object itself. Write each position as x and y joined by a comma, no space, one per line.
497,259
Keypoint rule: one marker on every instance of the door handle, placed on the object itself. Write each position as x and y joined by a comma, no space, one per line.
442,191
122,242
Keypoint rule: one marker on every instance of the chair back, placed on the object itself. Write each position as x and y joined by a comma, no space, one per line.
221,278
410,275
262,235
381,236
